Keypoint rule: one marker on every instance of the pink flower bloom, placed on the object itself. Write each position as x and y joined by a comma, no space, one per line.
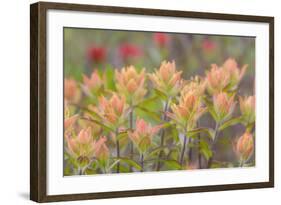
161,39
96,54
83,147
142,135
127,51
208,45
245,146
71,90
112,111
69,121
247,108
187,111
235,73
167,79
225,78
223,105
93,83
217,79
131,83
100,148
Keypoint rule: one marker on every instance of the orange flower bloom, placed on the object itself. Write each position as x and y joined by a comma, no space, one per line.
196,85
100,148
93,83
113,111
245,146
142,135
187,111
131,83
217,79
69,121
84,148
223,105
247,107
167,79
235,73
225,78
71,90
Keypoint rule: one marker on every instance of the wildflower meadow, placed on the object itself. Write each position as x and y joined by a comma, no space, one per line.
148,101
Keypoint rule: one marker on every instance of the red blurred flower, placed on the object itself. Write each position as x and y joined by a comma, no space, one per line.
208,45
161,39
128,50
96,54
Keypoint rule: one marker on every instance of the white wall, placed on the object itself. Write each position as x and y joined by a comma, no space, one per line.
14,100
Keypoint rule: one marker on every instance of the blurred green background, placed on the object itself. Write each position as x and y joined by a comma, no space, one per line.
86,49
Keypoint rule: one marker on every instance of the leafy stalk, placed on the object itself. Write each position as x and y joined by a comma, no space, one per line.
183,150
117,152
142,162
166,107
131,118
216,133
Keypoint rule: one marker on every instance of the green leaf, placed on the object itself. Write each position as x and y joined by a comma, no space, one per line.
161,94
99,123
172,164
152,114
130,162
110,82
211,109
210,132
231,122
205,150
147,101
122,135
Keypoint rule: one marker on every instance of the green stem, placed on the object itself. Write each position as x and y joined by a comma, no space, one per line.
183,150
117,152
210,161
131,118
162,135
142,161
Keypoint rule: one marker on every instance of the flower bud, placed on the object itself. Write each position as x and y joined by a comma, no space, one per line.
247,108
245,146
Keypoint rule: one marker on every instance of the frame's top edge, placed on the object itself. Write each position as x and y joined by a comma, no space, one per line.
153,12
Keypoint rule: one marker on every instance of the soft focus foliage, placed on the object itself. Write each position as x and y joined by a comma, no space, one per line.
139,101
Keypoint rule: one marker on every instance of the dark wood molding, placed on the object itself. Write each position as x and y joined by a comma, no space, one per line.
38,112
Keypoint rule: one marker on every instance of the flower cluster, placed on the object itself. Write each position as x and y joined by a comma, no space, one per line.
133,120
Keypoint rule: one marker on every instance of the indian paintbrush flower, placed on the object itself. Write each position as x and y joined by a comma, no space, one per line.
196,85
131,83
96,54
244,146
166,79
235,73
93,83
128,50
69,121
72,92
84,148
223,106
143,134
247,108
112,111
217,79
189,109
161,39
225,78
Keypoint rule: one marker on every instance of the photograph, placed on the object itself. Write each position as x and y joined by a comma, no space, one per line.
143,101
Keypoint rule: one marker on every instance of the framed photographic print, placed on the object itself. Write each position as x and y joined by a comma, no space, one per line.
134,102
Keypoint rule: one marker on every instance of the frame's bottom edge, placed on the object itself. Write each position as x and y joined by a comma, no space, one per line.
151,192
